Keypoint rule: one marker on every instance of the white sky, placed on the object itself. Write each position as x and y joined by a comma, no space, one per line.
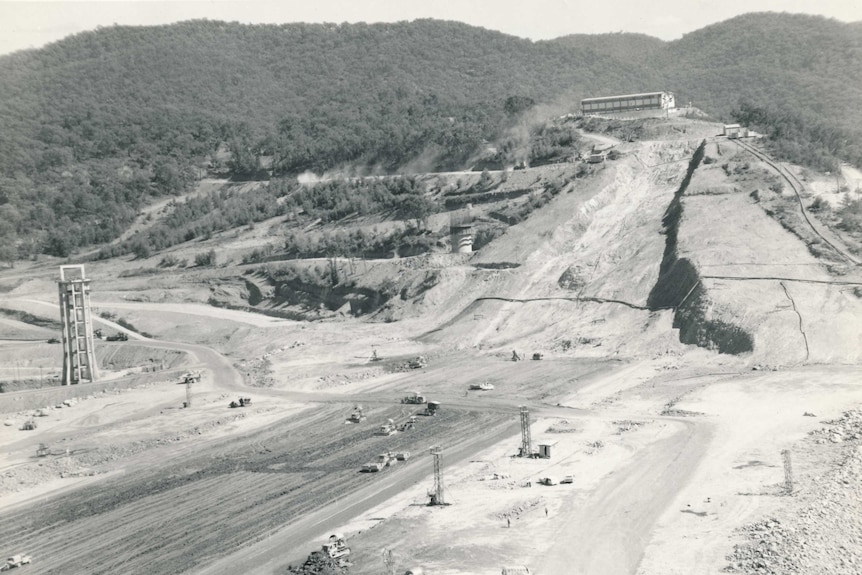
33,23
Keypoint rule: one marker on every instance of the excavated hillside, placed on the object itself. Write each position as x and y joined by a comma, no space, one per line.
697,323
663,249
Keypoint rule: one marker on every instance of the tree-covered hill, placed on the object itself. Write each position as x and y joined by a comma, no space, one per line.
794,77
94,126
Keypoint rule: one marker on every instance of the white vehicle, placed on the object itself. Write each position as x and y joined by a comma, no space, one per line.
567,479
484,386
16,561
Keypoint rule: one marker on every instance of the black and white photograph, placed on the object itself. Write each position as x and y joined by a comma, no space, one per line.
399,287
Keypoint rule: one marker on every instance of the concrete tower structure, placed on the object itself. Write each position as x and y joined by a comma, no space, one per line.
461,231
79,357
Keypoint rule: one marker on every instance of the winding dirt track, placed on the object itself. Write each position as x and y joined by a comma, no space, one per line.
797,188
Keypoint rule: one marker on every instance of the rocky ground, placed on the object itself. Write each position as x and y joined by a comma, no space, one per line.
819,531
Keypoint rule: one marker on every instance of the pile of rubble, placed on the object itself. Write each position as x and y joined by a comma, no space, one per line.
847,427
515,511
319,563
822,533
625,425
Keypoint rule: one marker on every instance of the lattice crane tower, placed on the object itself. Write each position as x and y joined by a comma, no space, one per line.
526,439
79,358
437,498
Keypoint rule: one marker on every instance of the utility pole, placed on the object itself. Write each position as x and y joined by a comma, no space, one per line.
526,439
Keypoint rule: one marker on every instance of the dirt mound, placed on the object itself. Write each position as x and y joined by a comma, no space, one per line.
128,355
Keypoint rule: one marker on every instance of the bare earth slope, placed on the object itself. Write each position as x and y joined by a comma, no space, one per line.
672,448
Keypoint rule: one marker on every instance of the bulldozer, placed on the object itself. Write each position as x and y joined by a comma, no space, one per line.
191,377
29,425
537,356
336,546
387,428
357,416
408,425
243,402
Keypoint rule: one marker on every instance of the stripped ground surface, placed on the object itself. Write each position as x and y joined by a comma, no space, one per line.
672,447
201,505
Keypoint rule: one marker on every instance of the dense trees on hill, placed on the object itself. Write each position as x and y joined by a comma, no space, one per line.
201,217
95,126
794,77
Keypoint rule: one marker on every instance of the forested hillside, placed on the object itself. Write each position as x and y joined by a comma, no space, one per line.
793,77
95,126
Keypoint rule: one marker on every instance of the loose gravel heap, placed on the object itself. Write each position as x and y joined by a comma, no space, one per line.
822,532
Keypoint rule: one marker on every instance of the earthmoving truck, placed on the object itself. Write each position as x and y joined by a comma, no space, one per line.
16,561
416,398
432,408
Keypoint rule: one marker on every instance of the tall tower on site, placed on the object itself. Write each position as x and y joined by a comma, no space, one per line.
526,438
461,231
438,497
79,357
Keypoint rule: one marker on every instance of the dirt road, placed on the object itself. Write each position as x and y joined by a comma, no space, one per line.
613,527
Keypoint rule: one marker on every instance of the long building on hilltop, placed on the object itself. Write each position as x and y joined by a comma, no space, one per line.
627,103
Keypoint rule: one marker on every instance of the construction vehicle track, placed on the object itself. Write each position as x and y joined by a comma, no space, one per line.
188,512
797,188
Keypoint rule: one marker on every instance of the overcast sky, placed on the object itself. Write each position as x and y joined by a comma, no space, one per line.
31,24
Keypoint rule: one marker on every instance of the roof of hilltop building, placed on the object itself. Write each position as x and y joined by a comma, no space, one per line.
626,96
